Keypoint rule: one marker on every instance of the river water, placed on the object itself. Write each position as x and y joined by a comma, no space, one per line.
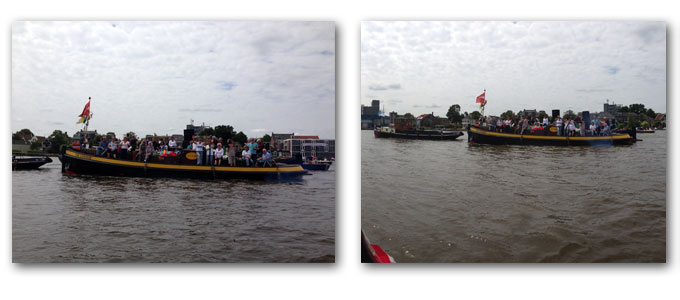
439,201
78,218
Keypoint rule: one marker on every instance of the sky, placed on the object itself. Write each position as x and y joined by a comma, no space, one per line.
155,77
424,67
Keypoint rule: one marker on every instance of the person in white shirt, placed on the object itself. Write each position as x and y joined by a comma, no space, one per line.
558,123
246,156
124,145
199,148
219,152
113,147
172,144
572,128
592,129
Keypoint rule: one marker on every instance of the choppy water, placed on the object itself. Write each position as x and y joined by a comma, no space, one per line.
438,201
62,218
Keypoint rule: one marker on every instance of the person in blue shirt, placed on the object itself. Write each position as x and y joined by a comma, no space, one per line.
103,147
265,158
252,147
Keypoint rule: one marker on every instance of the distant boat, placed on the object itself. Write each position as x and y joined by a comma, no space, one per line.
317,165
483,136
312,165
435,135
29,163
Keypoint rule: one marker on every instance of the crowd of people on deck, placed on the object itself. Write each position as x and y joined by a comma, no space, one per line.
566,126
210,150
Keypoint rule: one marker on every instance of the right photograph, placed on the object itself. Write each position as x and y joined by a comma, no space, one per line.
513,142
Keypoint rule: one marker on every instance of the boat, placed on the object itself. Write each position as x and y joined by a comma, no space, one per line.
372,253
641,130
183,165
312,165
479,135
317,165
29,163
436,135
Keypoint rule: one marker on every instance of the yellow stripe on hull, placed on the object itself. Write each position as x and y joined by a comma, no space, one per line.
553,138
295,168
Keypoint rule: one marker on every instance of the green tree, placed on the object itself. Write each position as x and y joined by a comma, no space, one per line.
454,114
131,134
475,115
650,113
241,138
207,132
36,145
569,114
225,132
267,138
24,134
507,114
542,114
637,108
57,139
632,122
623,109
110,135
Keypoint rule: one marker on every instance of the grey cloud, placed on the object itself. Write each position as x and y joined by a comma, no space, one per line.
380,87
574,63
433,105
153,76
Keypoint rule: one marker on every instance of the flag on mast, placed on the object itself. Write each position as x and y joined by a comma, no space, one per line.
481,99
85,115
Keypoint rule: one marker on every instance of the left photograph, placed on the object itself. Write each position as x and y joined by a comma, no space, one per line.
173,142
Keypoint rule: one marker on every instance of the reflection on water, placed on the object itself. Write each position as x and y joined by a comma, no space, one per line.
61,218
434,201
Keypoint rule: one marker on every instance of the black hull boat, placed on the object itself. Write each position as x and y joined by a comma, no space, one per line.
482,136
29,163
319,165
316,166
74,162
418,134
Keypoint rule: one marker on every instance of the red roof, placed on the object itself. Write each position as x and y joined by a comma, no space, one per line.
306,137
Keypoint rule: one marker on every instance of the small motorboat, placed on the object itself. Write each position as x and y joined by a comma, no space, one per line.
371,253
29,163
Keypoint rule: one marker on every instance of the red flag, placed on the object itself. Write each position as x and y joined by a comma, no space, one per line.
86,110
482,98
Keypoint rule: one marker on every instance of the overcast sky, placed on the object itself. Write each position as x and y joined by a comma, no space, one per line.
423,67
154,77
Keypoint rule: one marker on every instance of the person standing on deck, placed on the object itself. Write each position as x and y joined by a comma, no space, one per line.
113,147
208,152
149,150
124,145
252,148
198,147
231,153
219,152
558,123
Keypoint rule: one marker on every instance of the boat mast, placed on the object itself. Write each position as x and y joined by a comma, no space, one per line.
87,121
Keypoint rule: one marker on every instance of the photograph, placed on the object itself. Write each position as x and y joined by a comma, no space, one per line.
513,141
173,141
